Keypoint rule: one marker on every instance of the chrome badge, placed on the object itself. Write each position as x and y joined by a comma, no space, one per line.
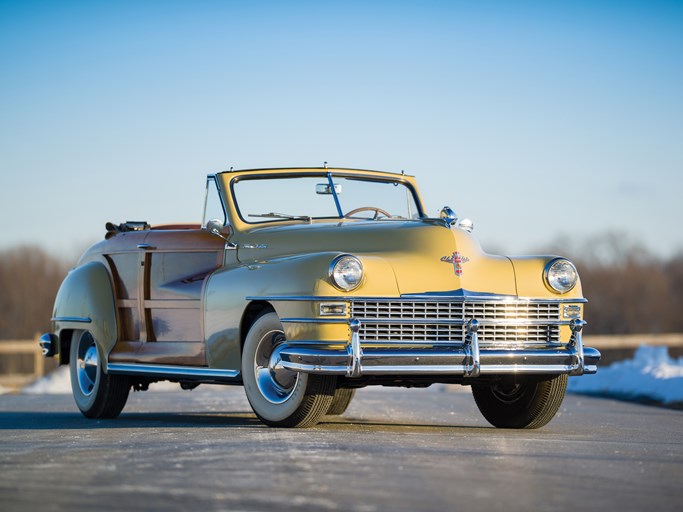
456,259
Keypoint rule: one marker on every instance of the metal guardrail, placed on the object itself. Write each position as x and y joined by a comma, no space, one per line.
632,341
621,347
22,362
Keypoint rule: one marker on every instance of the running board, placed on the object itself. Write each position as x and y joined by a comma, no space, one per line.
180,373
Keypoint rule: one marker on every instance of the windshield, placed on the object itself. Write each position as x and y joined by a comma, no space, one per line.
268,198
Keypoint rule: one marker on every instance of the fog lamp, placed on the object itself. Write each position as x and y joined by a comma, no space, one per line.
333,309
571,311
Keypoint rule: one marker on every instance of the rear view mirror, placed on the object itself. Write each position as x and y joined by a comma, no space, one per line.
326,190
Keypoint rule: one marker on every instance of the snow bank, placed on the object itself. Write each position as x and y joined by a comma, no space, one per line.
54,383
651,375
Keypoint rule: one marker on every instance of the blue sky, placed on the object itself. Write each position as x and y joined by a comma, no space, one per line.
541,121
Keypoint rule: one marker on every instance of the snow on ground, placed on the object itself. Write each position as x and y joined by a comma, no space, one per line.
54,383
650,376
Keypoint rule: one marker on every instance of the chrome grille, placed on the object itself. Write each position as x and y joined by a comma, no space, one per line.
442,322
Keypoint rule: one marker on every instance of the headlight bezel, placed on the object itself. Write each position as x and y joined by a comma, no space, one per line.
549,279
334,267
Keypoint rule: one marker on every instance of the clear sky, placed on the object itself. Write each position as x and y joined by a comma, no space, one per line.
538,120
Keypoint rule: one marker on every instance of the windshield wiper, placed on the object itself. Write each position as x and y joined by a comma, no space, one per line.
273,215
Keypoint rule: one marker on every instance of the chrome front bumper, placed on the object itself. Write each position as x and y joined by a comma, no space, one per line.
466,360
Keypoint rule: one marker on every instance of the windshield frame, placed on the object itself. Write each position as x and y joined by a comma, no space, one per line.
327,175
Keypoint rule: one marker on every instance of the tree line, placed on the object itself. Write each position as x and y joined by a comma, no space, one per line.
630,291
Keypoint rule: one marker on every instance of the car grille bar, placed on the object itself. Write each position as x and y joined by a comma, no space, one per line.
502,323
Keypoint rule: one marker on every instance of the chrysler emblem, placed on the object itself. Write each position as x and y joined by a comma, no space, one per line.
456,259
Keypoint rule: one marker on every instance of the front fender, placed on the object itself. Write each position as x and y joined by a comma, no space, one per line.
85,300
229,291
530,280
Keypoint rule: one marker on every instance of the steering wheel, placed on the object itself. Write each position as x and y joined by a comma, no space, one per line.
377,211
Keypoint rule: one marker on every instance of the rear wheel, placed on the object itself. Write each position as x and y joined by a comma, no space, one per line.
341,400
280,397
97,394
520,403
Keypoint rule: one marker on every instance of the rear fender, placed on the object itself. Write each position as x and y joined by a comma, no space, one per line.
85,301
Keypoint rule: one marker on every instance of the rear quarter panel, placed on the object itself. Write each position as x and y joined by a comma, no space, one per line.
85,300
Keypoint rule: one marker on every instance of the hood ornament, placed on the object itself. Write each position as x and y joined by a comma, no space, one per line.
456,259
448,216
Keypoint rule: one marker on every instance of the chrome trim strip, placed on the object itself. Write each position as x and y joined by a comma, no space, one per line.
79,319
307,368
434,343
326,343
478,298
418,298
315,320
429,321
169,371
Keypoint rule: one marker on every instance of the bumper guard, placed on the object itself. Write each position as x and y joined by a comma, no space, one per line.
466,360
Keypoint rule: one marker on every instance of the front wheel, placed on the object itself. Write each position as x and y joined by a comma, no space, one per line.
280,397
341,401
97,394
520,403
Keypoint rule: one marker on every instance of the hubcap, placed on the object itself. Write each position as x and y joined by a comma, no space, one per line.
87,365
275,383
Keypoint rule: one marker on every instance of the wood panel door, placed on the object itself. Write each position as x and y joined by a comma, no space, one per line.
172,268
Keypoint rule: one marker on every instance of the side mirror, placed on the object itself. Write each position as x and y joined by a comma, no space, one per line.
216,227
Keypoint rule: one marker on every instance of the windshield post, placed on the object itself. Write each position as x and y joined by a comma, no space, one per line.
206,199
409,203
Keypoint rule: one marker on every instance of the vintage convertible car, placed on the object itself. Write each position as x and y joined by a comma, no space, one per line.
305,284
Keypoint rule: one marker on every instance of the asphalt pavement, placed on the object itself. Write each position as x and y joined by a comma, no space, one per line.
393,450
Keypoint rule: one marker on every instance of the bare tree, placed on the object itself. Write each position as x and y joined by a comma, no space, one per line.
629,289
29,280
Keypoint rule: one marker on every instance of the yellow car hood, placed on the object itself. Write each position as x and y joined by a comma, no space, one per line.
405,257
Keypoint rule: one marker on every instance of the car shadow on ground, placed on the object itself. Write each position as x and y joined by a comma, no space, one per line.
74,421
32,420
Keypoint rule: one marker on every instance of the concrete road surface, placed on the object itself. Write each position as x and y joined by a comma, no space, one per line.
393,450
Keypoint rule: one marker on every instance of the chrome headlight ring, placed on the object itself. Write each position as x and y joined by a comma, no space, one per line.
346,272
560,275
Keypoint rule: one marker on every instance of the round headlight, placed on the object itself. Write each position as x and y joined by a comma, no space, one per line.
346,272
561,275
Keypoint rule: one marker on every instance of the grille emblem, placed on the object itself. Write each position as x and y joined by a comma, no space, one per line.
456,259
